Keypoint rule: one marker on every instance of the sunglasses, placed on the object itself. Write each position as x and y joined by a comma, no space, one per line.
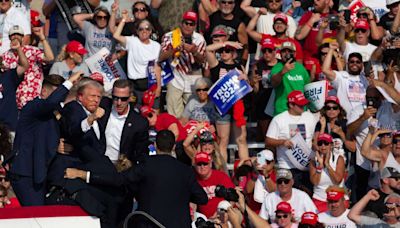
269,162
281,181
101,17
116,98
204,89
147,28
228,2
282,216
189,23
360,30
396,178
267,50
135,10
274,1
226,50
362,15
4,0
395,140
320,143
202,164
385,135
355,62
331,107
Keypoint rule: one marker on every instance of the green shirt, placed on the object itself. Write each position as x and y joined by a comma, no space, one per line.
292,80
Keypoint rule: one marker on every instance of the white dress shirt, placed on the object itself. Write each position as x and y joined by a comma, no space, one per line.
114,128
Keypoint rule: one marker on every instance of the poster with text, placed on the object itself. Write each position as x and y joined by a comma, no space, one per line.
227,90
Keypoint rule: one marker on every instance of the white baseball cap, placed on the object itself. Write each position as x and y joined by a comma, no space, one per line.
390,2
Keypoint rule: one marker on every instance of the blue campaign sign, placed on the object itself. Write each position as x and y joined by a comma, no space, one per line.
227,90
166,73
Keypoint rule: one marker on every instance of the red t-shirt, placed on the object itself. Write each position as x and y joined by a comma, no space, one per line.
278,43
310,46
216,178
164,120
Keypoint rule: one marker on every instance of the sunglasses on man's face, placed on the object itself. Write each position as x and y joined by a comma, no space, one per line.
227,2
4,0
360,30
325,143
282,181
98,17
116,98
135,10
282,216
189,23
202,164
395,140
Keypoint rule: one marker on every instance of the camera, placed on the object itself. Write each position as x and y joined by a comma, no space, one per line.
333,21
201,223
188,39
290,57
229,194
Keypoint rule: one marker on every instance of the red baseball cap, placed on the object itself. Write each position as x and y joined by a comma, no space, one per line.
202,157
145,110
284,207
97,77
309,218
325,137
268,43
334,99
335,194
361,24
35,19
190,16
75,46
220,30
282,17
297,97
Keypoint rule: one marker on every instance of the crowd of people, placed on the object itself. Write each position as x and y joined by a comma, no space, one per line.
71,135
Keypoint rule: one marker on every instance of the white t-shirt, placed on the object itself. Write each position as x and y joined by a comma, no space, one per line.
139,55
341,221
285,126
12,17
350,90
364,50
299,201
265,26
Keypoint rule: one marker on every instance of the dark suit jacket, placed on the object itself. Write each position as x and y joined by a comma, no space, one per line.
37,136
87,147
164,187
135,135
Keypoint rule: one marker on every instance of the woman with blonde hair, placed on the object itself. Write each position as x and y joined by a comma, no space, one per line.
70,60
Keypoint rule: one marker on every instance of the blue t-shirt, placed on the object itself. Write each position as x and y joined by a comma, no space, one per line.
9,81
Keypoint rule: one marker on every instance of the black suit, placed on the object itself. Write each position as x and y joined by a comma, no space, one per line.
163,186
35,145
87,146
134,136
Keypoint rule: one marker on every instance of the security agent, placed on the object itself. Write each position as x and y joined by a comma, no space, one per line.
163,195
